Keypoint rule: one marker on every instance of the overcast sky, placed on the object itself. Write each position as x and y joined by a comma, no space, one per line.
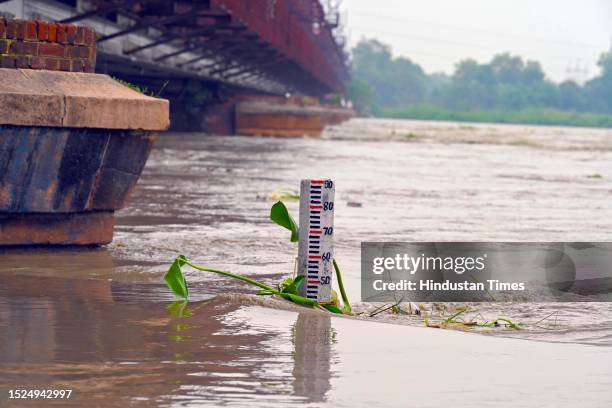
566,36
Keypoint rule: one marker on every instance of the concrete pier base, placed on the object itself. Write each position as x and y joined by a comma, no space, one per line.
63,170
60,186
72,146
85,228
286,117
266,115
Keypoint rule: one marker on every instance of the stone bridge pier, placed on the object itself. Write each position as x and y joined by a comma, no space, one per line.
72,143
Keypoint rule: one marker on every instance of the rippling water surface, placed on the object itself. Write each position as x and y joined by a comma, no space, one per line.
97,320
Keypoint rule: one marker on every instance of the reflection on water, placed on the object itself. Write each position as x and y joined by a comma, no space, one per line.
67,333
85,335
312,338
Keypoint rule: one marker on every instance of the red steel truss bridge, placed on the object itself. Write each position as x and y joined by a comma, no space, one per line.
274,46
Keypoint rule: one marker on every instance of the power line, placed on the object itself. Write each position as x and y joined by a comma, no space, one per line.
577,72
490,48
475,30
559,68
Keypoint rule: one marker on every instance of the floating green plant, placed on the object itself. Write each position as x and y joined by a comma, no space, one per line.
454,316
411,136
287,289
457,320
284,194
280,215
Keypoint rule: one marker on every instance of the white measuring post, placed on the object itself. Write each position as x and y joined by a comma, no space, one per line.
316,233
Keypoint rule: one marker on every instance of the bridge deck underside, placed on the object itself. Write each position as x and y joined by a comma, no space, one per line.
273,45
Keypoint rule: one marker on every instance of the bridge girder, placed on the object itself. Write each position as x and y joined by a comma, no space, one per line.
223,40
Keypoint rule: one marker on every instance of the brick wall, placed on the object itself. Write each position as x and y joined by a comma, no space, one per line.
44,45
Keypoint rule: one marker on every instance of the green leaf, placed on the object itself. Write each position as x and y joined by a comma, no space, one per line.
454,316
334,298
280,215
175,279
232,275
508,321
346,306
291,285
300,300
332,308
284,193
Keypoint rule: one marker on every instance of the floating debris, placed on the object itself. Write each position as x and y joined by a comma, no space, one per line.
284,194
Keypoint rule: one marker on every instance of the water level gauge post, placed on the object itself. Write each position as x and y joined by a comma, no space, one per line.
316,235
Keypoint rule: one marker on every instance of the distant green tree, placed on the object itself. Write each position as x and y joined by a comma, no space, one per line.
360,94
572,96
470,87
508,69
599,89
506,83
394,82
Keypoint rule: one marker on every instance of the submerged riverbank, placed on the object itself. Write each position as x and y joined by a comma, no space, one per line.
98,320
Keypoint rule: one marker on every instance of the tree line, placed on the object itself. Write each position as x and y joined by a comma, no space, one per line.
506,89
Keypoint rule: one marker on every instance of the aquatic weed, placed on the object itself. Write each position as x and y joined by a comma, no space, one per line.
284,194
457,320
287,289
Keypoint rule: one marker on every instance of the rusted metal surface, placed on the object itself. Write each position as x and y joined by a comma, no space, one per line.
297,29
285,117
281,125
275,46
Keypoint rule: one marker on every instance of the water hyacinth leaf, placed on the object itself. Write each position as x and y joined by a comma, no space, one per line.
300,300
454,316
334,298
291,285
284,193
346,306
509,322
175,279
333,309
233,276
281,286
280,215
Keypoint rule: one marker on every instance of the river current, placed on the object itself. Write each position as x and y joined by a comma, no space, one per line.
97,320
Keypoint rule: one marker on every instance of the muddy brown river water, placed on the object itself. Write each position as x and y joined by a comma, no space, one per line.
97,320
